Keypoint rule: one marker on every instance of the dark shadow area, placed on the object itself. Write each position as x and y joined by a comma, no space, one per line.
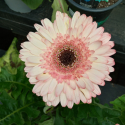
6,37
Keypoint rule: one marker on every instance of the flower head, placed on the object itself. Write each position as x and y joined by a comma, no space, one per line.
68,59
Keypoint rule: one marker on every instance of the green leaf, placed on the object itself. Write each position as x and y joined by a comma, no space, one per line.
59,5
11,58
18,100
44,117
47,109
58,120
33,4
90,121
107,122
48,122
15,82
119,104
12,112
95,111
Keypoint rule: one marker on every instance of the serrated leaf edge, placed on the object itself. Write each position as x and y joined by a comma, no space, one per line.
16,111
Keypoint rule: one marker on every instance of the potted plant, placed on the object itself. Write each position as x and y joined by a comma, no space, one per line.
23,6
100,13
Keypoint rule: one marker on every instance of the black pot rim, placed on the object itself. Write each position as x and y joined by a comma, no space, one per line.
92,9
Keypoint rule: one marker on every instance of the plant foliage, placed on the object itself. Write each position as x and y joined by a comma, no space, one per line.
18,105
33,4
59,5
11,58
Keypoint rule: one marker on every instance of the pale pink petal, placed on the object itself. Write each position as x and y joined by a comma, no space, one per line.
108,78
34,35
99,30
110,52
60,24
32,79
56,101
34,50
95,38
105,72
42,22
30,64
73,84
36,70
105,38
99,66
47,23
45,34
42,76
97,89
44,89
37,43
80,20
55,27
70,104
97,73
89,84
38,94
25,52
87,30
87,21
102,50
34,59
81,83
45,98
111,69
59,89
52,86
74,32
67,21
94,27
75,18
82,97
89,101
95,45
86,93
79,30
76,95
52,32
93,77
69,92
63,99
51,96
49,103
93,94
110,43
38,86
92,59
28,68
101,59
37,26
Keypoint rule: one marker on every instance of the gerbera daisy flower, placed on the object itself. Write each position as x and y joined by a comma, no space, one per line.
68,59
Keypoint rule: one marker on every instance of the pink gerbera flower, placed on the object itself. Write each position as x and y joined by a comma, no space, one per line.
68,59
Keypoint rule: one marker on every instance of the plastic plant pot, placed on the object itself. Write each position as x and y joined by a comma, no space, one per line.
99,15
18,6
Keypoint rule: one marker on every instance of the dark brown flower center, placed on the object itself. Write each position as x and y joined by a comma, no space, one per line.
67,57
